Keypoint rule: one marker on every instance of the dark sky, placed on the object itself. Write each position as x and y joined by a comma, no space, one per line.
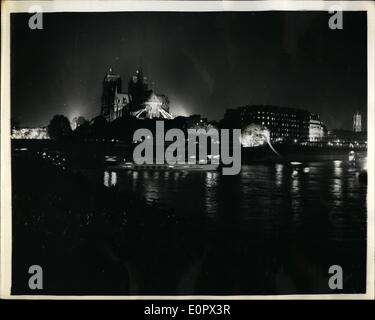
204,62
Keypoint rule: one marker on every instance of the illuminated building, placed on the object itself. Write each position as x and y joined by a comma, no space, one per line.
139,101
155,106
30,133
284,124
111,86
357,122
255,135
120,103
316,129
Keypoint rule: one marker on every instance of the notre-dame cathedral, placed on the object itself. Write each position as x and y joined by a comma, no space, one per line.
139,101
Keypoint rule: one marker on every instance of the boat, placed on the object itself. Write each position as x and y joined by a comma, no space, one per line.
196,167
165,166
110,158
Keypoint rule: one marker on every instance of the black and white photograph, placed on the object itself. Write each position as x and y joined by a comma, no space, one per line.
196,148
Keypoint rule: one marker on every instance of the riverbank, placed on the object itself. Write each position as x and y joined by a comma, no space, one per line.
92,154
288,153
85,236
244,234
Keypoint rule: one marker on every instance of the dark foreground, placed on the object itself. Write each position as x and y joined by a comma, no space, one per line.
91,239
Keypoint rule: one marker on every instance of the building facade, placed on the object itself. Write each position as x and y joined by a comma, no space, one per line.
120,103
316,129
139,101
284,124
111,86
357,122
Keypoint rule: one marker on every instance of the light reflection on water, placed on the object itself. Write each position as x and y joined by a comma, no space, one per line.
211,192
280,216
295,199
279,174
337,182
110,178
266,199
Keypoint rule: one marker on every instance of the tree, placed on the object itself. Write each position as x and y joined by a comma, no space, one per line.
100,127
78,121
83,132
59,127
255,135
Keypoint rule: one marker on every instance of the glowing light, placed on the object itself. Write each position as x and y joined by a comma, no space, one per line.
153,108
365,163
30,133
106,178
113,180
279,168
255,135
252,136
179,110
337,163
110,158
279,174
295,163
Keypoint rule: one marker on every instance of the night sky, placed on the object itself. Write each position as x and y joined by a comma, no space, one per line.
204,62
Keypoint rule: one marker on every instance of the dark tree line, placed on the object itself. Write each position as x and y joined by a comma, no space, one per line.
98,129
59,127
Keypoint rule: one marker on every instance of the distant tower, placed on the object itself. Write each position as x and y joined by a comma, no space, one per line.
111,84
357,123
